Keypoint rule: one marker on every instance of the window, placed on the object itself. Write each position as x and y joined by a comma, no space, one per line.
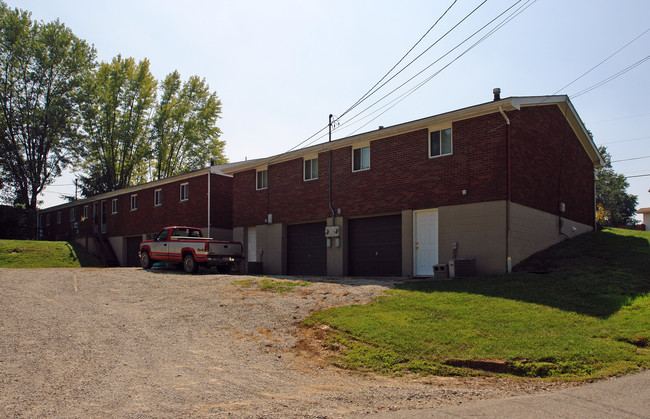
72,214
185,191
134,202
440,142
361,158
85,212
58,217
47,220
114,206
157,197
311,169
162,236
262,179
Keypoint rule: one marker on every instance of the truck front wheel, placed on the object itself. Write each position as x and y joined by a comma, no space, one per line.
145,260
189,264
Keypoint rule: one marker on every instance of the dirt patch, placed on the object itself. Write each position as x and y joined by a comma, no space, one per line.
129,342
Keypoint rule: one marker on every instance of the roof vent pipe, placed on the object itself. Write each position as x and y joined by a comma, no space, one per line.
497,93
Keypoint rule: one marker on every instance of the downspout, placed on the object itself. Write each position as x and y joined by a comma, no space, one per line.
330,170
209,178
508,192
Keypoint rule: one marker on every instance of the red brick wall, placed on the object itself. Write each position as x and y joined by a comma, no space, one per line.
549,165
149,218
401,176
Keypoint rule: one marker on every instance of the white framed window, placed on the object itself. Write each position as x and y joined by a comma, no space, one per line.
157,197
86,212
72,215
361,159
58,217
114,206
185,191
262,179
440,143
134,202
311,169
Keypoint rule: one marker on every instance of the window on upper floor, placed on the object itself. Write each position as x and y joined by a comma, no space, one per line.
262,179
72,215
361,158
114,206
311,169
157,197
440,142
185,191
58,217
85,212
47,219
134,202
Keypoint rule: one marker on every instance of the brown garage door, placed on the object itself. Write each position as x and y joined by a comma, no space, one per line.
132,249
375,246
306,249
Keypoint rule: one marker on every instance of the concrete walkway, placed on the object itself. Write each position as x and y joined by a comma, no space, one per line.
624,397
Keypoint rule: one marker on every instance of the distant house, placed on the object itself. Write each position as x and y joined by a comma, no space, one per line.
113,224
494,182
491,183
646,217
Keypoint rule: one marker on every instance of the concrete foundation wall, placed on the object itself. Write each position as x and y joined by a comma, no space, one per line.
480,233
337,256
533,230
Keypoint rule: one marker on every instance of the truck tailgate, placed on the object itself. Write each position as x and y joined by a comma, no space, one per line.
225,249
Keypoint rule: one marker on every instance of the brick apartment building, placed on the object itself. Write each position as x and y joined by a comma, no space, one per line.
493,183
115,223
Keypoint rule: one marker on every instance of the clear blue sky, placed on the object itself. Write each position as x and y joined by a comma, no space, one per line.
280,68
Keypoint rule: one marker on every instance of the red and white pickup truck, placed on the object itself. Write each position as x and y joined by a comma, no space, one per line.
187,246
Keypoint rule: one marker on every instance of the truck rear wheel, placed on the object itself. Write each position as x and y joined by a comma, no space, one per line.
189,264
145,260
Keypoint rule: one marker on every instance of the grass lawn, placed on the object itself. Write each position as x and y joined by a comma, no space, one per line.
579,310
43,254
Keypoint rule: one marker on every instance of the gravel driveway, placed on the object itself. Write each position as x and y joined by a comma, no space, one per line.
128,342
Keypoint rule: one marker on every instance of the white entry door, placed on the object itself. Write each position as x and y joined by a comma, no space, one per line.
426,241
252,245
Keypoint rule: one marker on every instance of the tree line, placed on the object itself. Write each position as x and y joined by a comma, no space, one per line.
111,121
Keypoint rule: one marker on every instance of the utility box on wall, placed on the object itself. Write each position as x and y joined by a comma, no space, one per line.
462,268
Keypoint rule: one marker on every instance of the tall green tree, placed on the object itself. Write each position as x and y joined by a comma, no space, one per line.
615,206
42,68
119,100
185,134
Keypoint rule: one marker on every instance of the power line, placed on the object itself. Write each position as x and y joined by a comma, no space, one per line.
625,141
647,174
619,119
610,78
598,65
415,59
634,158
418,86
370,91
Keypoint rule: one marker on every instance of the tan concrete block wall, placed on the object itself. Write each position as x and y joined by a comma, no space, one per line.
532,230
480,231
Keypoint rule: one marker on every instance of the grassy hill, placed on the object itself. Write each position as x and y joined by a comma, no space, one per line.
43,254
578,310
